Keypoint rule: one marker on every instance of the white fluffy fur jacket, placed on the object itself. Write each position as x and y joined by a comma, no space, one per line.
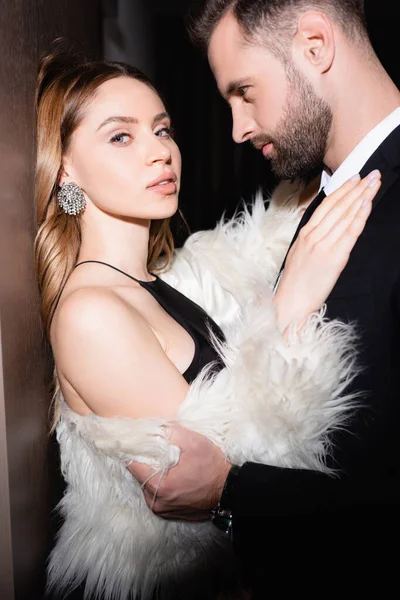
275,402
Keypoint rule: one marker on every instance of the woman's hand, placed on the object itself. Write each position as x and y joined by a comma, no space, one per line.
322,249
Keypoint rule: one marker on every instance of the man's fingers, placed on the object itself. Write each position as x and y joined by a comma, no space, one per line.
183,492
141,471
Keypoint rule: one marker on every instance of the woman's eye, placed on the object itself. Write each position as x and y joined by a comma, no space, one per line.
120,138
243,91
166,132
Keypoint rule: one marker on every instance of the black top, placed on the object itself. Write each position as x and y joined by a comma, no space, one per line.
189,315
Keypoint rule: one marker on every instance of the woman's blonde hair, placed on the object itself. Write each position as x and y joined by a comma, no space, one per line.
66,84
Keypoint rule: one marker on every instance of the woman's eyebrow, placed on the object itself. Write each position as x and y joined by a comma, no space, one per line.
127,120
160,117
132,120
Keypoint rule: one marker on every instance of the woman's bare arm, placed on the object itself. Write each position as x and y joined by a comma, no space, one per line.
112,359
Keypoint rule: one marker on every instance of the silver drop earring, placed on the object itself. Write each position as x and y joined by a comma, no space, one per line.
71,199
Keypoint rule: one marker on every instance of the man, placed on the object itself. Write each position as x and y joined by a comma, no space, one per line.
305,87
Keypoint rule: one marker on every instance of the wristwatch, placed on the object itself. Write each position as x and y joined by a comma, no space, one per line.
221,515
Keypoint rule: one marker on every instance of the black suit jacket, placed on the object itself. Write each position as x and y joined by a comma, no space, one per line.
367,454
366,491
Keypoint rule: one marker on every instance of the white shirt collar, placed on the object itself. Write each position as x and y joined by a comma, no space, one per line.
361,153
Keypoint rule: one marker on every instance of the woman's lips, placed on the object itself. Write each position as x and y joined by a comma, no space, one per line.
164,188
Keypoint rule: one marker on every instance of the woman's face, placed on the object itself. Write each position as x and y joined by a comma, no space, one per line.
122,154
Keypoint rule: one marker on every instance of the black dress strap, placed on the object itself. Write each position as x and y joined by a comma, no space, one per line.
100,262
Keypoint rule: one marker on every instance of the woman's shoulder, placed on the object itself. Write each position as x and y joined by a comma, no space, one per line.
107,353
91,309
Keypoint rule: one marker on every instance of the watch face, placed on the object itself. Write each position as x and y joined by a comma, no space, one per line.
222,519
222,515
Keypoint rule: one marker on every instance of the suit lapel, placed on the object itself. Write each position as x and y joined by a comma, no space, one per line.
387,160
388,179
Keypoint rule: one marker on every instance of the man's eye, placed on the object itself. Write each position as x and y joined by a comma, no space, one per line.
243,90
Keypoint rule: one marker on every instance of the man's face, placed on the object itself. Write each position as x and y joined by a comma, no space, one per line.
274,107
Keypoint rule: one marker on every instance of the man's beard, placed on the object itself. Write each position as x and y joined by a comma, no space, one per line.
301,136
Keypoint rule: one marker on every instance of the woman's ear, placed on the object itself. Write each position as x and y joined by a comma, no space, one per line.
66,172
314,41
64,178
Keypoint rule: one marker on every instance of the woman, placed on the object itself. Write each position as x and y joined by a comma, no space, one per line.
132,353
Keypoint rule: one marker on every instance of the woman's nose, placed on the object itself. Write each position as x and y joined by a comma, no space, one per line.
158,151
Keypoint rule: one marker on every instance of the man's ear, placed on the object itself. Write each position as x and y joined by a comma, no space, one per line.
314,41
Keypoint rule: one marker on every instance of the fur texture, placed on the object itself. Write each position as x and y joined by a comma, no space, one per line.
216,268
275,402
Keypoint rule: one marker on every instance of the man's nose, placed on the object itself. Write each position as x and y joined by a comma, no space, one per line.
243,126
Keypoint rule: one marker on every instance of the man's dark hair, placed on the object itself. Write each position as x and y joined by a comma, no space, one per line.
261,19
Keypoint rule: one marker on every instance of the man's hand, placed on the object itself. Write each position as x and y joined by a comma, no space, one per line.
191,489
